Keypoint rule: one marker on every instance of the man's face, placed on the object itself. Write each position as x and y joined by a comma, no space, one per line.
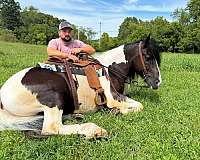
66,34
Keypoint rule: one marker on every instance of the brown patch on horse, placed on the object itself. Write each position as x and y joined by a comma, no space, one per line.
50,88
118,74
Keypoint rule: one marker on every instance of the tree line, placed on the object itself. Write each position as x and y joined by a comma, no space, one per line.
32,26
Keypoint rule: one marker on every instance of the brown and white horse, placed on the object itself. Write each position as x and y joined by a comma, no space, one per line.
32,91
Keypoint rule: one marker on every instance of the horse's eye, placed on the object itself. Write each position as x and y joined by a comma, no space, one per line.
147,57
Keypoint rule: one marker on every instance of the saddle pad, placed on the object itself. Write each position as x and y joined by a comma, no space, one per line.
74,70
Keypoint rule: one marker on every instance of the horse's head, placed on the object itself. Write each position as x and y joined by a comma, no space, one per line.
143,58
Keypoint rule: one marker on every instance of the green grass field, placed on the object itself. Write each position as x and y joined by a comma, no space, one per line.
168,128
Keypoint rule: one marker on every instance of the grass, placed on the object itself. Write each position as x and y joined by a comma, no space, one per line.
167,129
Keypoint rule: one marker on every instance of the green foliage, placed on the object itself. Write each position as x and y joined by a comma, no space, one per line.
194,9
106,43
167,129
7,35
10,14
127,28
182,16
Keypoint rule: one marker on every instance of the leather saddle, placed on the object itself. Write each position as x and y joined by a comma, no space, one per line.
88,67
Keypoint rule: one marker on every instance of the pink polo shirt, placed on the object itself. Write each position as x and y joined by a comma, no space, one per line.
58,44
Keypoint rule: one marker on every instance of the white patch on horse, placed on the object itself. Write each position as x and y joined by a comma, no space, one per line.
113,55
52,120
160,80
16,99
86,95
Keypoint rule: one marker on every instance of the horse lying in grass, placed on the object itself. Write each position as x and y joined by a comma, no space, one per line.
33,91
36,90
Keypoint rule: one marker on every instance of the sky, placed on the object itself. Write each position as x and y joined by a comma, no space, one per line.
110,13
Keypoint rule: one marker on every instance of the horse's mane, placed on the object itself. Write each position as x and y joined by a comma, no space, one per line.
152,47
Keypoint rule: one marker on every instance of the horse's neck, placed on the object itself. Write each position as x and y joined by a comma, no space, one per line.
114,55
119,71
118,74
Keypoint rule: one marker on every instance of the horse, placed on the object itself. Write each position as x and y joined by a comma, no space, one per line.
139,58
37,99
32,91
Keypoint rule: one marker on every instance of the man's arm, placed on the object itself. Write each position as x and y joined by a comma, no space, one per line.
87,49
55,52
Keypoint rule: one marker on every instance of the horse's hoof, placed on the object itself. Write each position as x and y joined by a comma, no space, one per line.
92,131
78,116
115,111
75,116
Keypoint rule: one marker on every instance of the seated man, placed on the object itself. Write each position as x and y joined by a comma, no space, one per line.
65,46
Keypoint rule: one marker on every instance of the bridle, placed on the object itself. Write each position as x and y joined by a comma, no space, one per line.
142,61
144,70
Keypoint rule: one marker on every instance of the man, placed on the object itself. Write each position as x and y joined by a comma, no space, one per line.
65,46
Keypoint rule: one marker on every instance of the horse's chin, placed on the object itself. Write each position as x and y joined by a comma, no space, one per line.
155,87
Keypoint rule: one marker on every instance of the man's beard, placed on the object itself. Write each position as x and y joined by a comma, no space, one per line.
67,39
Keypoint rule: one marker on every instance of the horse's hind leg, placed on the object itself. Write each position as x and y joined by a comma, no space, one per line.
53,125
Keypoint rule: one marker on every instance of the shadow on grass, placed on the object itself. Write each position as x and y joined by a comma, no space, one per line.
2,53
145,94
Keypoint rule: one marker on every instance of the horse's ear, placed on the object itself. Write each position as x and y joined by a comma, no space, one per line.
147,41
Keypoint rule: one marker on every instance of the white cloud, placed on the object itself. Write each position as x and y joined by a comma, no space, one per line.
132,1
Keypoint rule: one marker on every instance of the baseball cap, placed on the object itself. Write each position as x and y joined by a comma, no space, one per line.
65,24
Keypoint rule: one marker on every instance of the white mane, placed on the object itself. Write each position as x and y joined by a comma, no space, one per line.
113,55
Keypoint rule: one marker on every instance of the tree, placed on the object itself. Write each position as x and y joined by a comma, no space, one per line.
160,31
194,9
127,28
175,34
190,42
182,16
10,14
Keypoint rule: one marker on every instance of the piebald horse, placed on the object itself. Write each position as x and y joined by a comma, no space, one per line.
32,91
124,62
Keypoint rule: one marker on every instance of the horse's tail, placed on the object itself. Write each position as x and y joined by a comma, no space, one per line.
12,122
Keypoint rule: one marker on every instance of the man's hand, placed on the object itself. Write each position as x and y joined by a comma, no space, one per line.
73,57
75,51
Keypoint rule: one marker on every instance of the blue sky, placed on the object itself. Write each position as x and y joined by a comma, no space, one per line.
111,13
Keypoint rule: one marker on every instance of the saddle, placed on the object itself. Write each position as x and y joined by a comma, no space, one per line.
88,68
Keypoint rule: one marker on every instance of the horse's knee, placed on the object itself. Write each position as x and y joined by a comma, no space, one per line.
131,107
52,120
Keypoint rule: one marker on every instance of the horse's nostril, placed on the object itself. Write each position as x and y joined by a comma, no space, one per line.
157,81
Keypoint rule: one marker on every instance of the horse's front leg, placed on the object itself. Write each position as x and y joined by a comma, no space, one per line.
53,125
124,104
129,105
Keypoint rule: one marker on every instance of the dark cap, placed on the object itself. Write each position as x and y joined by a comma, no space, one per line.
65,24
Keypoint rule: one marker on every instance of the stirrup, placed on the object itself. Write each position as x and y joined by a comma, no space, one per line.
100,98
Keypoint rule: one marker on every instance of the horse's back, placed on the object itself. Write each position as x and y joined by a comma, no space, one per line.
113,55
